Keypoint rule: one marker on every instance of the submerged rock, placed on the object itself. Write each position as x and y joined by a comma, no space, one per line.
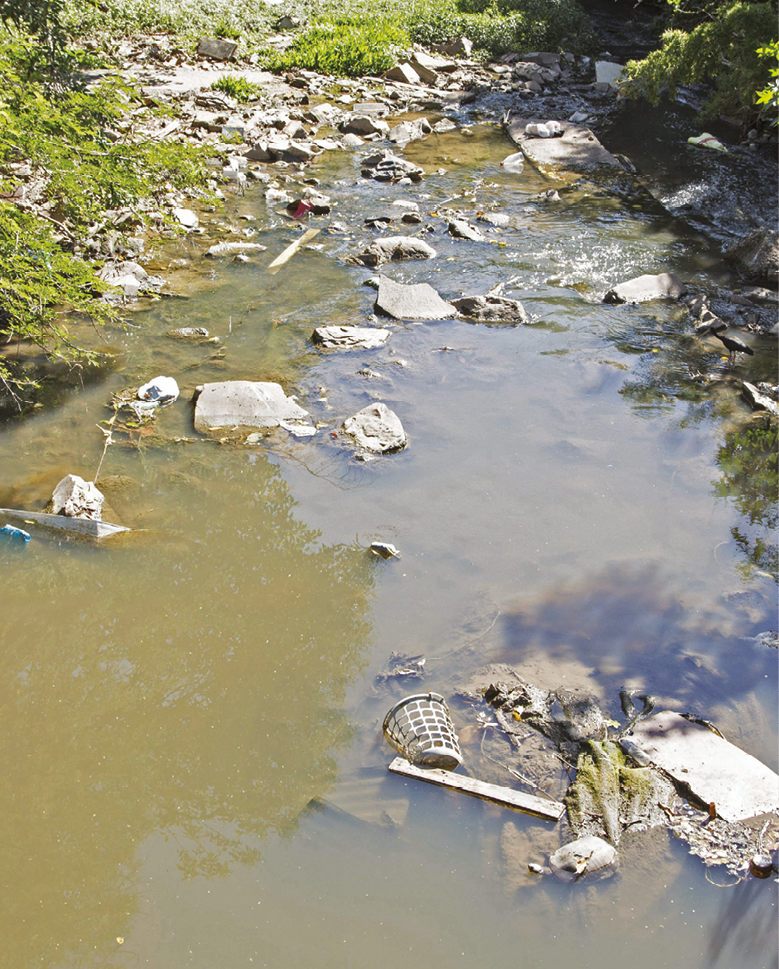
492,309
244,403
349,337
395,249
418,301
461,229
645,288
582,857
376,428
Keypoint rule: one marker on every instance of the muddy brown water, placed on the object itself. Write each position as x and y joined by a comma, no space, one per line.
193,772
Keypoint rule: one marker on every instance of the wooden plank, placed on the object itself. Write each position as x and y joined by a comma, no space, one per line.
504,796
80,526
290,251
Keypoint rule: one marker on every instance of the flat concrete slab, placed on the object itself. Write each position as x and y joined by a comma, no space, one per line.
244,403
417,301
714,770
576,149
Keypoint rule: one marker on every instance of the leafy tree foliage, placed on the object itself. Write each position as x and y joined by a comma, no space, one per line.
712,41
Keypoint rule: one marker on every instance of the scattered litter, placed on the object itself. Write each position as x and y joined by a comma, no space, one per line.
384,549
421,730
290,251
514,163
16,536
504,796
160,390
706,140
761,866
401,666
548,129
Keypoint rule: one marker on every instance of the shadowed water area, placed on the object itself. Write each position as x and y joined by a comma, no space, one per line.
193,768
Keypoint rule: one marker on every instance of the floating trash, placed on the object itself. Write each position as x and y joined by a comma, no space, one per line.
421,730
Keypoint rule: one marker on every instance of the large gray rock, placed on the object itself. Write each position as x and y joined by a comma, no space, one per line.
758,401
376,428
408,131
576,149
349,337
757,256
644,288
363,125
76,498
417,301
461,229
582,857
244,403
492,309
393,249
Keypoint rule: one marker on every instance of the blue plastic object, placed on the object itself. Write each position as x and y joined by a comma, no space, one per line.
16,535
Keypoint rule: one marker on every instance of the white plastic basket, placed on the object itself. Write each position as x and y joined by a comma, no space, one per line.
421,730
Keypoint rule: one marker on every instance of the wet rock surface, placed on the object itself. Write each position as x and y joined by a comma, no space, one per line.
394,249
349,337
645,288
376,428
416,301
492,309
244,403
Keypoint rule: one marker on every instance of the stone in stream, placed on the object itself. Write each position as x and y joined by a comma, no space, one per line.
757,256
363,125
404,73
645,288
245,403
460,229
376,428
76,498
758,401
582,857
393,249
408,131
492,309
576,149
418,301
384,166
349,337
189,333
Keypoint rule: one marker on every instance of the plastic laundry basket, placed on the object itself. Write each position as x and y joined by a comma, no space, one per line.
421,730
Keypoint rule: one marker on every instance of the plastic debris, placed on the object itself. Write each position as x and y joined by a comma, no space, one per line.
514,163
16,536
161,390
385,550
706,140
421,730
548,129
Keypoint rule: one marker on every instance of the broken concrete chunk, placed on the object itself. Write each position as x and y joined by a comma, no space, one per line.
645,288
492,309
186,217
349,337
76,498
418,301
708,767
461,47
607,72
376,428
582,857
244,403
408,131
393,249
216,48
461,229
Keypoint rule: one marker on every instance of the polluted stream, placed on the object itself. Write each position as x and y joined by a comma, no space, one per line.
194,770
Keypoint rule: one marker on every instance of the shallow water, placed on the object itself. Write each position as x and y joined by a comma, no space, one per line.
193,758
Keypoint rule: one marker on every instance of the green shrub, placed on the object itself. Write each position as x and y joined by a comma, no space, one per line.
343,49
722,49
236,87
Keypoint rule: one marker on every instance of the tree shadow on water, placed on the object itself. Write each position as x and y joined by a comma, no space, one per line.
631,627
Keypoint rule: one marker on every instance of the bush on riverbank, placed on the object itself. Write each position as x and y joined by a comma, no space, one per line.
720,43
67,155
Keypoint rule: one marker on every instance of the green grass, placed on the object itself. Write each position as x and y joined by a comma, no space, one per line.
236,87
